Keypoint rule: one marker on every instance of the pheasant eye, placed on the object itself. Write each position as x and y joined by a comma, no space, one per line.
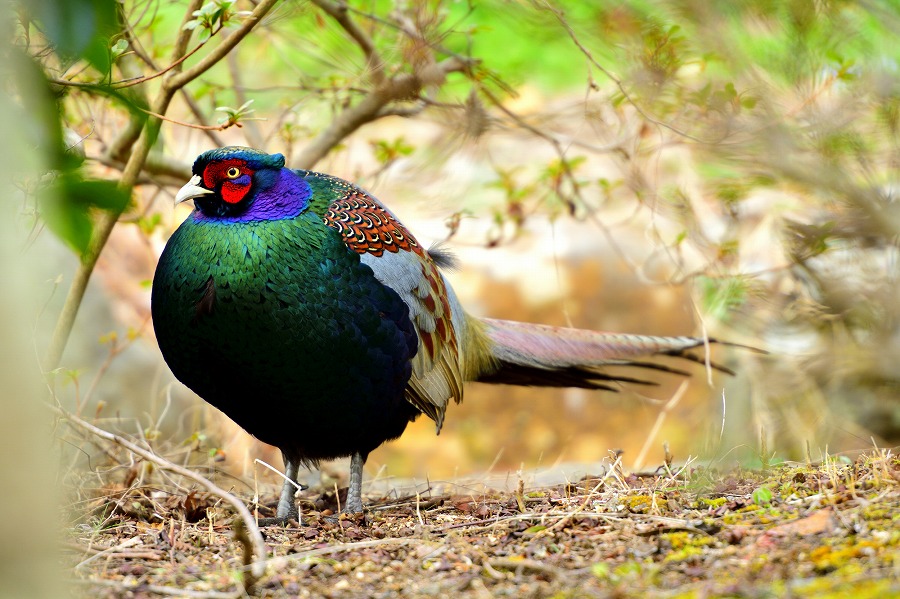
233,173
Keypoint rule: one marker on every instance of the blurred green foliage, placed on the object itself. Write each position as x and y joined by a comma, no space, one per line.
76,29
66,205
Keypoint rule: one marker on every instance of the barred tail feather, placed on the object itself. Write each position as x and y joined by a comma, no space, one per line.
545,356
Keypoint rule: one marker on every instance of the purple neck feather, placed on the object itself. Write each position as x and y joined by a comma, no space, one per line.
285,199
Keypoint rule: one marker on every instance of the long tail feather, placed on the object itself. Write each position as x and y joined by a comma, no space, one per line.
541,355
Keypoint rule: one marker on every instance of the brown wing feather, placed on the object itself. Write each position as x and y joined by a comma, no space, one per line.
368,227
398,261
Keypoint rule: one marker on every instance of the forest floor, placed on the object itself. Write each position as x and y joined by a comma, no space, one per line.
799,530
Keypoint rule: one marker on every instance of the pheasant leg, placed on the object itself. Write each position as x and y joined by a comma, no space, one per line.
286,506
354,493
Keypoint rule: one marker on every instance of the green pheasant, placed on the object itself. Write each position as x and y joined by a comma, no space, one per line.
297,304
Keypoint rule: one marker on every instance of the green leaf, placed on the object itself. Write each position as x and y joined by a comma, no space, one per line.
761,496
212,15
106,195
78,28
235,115
33,106
148,224
97,53
119,48
388,151
66,204
721,296
68,221
601,570
535,529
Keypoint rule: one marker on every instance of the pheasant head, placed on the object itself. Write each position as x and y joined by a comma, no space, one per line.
242,184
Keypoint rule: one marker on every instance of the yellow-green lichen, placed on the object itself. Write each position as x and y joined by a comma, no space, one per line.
638,504
832,557
711,502
685,545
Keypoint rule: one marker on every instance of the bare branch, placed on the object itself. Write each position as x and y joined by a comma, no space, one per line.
120,147
340,13
170,171
404,111
184,33
134,42
254,137
132,82
232,122
198,114
399,88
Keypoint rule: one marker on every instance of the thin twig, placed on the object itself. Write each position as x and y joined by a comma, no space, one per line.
560,16
258,567
198,114
115,548
181,79
568,517
129,82
160,590
178,62
278,562
254,137
222,127
518,565
660,418
401,87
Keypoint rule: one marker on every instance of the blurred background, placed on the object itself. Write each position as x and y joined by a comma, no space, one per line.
670,167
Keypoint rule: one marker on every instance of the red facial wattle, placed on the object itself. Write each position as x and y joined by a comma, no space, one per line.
231,176
233,191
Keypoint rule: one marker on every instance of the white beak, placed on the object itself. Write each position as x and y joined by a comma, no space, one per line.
191,190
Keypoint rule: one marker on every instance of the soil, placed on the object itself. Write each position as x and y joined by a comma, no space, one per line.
798,530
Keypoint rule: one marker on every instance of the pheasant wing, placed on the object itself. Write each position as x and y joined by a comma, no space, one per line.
399,262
